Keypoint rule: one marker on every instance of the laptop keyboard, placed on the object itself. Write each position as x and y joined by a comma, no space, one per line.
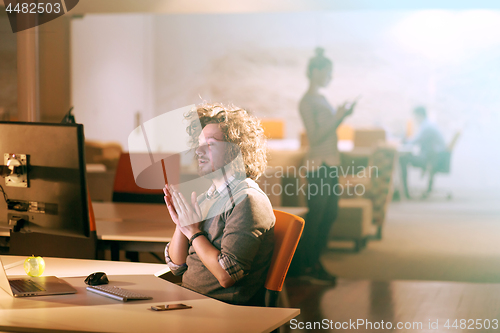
25,286
117,293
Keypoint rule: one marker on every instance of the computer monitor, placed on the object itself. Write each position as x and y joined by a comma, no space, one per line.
44,180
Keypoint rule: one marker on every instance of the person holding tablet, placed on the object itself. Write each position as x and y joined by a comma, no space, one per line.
320,121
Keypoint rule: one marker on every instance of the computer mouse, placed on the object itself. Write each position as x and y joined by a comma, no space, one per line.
96,279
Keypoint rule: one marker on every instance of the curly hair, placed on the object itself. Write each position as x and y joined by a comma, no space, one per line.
239,128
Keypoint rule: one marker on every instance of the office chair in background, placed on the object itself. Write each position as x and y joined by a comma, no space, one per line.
441,164
126,190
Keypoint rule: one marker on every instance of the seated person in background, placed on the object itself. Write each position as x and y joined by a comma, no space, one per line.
430,142
224,239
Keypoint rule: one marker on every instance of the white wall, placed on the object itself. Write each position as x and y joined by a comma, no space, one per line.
447,60
394,60
111,74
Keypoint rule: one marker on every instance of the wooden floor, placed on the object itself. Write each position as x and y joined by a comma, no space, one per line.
422,306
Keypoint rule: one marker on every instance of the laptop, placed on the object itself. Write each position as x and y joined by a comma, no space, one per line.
33,286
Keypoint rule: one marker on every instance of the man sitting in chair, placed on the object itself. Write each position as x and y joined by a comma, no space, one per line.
224,238
430,142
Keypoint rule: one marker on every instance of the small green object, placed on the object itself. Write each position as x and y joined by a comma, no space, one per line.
34,266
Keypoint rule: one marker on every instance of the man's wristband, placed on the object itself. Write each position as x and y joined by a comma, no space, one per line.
200,233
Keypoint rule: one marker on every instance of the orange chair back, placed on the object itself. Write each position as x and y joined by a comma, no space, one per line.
287,231
124,178
273,128
345,132
125,188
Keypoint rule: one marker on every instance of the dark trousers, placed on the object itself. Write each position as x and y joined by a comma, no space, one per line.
323,207
413,160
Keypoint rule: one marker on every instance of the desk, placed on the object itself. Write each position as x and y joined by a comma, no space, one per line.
88,312
141,227
132,226
139,212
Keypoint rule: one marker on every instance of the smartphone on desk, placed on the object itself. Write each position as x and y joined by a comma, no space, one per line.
168,307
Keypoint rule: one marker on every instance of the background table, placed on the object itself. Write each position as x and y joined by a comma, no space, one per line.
132,227
141,227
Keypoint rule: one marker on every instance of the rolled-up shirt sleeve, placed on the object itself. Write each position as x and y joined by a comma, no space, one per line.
231,267
174,268
243,233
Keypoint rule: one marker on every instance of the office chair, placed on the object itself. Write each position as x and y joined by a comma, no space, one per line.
126,190
441,164
287,231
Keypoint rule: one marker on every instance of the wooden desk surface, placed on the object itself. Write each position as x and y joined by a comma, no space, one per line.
89,312
135,231
133,222
139,212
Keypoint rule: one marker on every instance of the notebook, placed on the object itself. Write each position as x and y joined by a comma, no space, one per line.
33,286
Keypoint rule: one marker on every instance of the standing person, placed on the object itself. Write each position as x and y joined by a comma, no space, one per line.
224,239
320,121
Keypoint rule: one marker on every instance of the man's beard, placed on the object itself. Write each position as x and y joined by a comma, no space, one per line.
206,170
206,174
210,173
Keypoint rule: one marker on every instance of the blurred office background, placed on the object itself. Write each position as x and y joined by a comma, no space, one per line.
447,60
123,69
